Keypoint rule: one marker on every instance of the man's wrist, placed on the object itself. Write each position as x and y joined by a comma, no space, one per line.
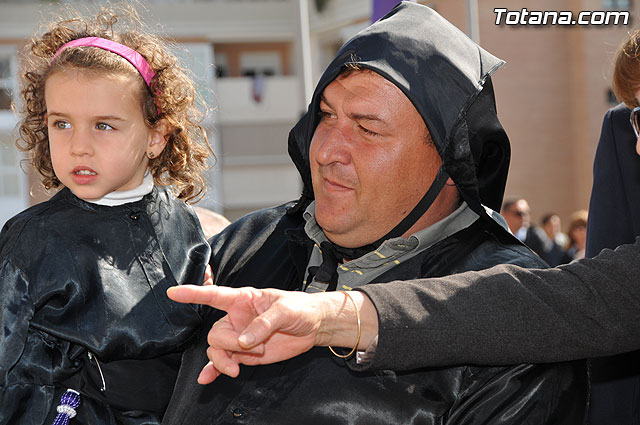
368,319
339,325
332,317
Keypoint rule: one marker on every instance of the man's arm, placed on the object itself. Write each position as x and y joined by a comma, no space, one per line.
264,326
507,314
502,315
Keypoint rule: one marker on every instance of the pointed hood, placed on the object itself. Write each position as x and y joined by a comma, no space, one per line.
447,78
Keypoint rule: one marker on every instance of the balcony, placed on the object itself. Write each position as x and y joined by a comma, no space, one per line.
280,100
256,170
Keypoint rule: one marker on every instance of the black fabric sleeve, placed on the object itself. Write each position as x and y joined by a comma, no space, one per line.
616,172
24,398
516,394
507,314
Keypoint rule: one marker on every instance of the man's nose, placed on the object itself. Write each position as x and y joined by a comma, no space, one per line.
334,145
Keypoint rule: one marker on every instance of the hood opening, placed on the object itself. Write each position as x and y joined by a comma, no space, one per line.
447,78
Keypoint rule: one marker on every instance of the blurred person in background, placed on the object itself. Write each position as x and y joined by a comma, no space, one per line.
517,214
552,226
577,234
556,253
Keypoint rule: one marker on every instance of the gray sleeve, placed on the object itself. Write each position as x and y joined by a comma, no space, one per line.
508,314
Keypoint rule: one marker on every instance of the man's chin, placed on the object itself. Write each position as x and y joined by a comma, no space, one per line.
334,225
339,230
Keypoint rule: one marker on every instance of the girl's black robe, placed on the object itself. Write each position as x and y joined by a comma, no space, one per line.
84,306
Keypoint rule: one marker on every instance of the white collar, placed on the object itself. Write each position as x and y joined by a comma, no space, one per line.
119,197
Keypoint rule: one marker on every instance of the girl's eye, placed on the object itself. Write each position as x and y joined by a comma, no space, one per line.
103,126
61,124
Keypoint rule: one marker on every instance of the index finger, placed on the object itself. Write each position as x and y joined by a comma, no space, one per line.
219,297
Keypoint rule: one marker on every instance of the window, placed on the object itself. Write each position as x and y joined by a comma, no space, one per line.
252,59
8,83
256,63
221,64
10,181
14,193
13,181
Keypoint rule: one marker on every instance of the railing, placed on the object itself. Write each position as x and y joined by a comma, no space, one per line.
244,99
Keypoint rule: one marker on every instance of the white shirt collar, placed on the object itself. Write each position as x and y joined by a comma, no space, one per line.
119,197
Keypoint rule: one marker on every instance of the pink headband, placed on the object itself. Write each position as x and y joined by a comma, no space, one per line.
128,53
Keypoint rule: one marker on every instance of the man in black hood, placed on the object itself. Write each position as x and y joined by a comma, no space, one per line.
403,161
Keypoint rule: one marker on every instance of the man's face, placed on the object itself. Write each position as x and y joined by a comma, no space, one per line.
517,215
371,160
552,226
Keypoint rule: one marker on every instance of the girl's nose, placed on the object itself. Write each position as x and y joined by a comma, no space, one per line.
80,143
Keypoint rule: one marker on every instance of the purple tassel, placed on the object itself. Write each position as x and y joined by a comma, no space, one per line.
69,401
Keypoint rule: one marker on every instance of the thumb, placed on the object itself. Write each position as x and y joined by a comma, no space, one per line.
261,328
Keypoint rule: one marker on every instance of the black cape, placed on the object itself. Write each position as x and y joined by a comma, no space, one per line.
79,278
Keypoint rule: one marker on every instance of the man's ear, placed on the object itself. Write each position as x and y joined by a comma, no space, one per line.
158,139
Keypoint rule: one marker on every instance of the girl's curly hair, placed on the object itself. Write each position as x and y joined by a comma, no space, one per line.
172,95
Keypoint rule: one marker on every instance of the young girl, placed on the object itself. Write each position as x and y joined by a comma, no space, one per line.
86,329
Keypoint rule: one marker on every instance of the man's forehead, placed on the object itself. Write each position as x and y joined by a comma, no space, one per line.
367,84
365,74
368,97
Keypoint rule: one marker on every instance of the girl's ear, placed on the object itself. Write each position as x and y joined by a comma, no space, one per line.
158,140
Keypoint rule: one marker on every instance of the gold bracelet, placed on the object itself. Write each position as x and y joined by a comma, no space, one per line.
355,347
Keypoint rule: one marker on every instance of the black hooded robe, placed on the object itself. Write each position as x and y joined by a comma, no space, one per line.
79,280
446,76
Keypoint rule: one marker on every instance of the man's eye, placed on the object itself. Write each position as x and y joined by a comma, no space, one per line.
103,126
61,124
367,131
324,115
